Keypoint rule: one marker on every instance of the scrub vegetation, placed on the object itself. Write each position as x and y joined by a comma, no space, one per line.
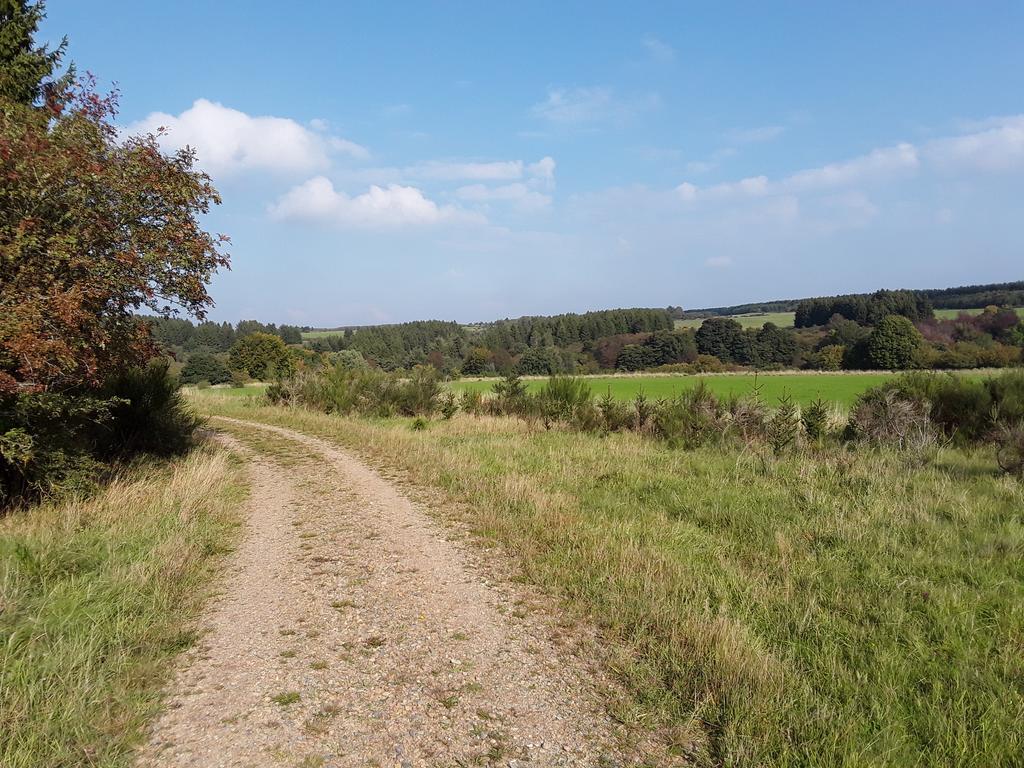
787,603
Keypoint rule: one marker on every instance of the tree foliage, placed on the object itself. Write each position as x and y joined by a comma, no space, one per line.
262,356
27,69
893,344
93,228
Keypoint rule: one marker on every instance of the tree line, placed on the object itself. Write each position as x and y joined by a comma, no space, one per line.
960,297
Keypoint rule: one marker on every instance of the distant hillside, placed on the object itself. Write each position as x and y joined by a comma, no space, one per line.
962,297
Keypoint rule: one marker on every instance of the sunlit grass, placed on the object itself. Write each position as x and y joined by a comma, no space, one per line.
847,608
97,596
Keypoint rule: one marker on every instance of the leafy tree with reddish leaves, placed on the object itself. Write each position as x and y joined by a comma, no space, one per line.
94,227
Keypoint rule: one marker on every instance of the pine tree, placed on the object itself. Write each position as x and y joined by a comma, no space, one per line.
26,69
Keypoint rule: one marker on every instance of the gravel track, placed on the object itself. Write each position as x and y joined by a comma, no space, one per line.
352,629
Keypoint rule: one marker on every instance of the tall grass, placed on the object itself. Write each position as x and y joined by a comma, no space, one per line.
815,608
96,597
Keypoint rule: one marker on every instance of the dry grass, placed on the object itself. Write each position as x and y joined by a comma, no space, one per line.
839,608
97,597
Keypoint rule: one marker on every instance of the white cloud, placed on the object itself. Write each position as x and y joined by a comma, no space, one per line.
699,166
495,171
660,51
577,106
879,164
522,195
755,135
718,262
446,170
390,207
997,146
229,140
542,169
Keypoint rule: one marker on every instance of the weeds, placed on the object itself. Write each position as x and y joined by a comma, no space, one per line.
96,598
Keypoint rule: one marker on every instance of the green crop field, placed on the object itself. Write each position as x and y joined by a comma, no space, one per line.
320,334
785,319
249,389
952,314
802,387
781,319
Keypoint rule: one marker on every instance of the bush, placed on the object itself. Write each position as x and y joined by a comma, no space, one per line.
202,366
882,417
690,419
893,344
472,402
55,443
148,414
262,356
561,398
1009,442
783,428
814,419
616,415
449,406
369,392
964,409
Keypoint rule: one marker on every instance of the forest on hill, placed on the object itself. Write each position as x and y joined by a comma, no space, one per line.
883,330
961,297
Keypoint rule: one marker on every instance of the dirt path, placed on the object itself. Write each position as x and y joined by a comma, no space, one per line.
351,632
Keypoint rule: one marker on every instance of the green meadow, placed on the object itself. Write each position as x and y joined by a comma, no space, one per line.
785,319
842,388
753,320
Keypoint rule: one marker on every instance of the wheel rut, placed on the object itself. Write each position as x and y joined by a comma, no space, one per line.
351,630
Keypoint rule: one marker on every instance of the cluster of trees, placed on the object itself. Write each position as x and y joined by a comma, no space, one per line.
177,333
970,296
865,309
765,347
531,345
992,339
95,228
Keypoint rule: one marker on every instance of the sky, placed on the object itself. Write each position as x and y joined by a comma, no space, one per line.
390,161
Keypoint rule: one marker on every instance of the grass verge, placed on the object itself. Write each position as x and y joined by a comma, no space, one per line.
835,609
96,598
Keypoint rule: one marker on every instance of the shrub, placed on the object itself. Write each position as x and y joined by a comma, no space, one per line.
748,417
262,356
148,414
615,414
561,398
814,419
511,396
964,409
472,402
202,366
881,416
690,419
1009,442
893,344
54,443
449,406
783,427
830,358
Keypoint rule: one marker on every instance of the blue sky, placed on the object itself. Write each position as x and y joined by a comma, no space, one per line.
382,162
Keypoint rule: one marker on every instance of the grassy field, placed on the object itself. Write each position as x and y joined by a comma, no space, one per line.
309,335
96,598
803,388
785,319
781,319
855,608
952,314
